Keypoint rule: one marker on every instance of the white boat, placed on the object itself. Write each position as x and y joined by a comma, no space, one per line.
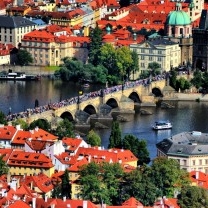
16,76
161,125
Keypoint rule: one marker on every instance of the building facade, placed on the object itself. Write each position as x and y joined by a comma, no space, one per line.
200,42
13,28
165,52
190,149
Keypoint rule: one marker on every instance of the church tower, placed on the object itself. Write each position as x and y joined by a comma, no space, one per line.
179,29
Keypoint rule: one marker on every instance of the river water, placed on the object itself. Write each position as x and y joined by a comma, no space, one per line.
186,116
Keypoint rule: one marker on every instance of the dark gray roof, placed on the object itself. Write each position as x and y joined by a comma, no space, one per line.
185,144
14,21
161,41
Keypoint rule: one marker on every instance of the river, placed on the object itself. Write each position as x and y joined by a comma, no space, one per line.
186,116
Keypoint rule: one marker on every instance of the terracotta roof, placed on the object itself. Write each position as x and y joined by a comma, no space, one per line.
29,159
199,178
72,143
40,181
132,202
19,204
7,132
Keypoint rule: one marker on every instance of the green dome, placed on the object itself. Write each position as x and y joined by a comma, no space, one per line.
178,18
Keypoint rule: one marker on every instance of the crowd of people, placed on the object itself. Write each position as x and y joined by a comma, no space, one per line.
83,97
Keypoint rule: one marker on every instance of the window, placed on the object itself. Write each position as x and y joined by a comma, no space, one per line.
194,162
150,58
142,65
200,162
10,38
159,52
206,161
142,57
142,50
159,59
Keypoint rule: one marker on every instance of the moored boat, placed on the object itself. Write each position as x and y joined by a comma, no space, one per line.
161,125
16,76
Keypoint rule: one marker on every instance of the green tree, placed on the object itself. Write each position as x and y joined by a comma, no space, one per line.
4,169
135,64
23,124
93,139
100,182
167,176
115,140
70,70
108,59
66,185
95,45
182,84
154,68
173,78
24,57
138,184
43,124
65,129
3,118
197,79
123,61
56,192
205,81
193,197
137,147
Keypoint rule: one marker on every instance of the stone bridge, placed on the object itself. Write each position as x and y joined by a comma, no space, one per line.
121,98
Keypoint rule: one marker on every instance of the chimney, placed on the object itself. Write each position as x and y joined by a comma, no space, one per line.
84,204
46,198
197,175
33,202
64,198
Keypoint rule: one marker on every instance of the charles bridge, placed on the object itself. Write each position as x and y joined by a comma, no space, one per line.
121,98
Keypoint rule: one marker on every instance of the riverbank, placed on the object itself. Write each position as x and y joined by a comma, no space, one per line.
189,97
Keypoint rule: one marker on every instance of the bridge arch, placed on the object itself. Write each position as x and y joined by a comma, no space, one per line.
112,102
157,92
90,109
67,115
135,97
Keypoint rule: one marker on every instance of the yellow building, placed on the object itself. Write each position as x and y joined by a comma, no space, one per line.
47,6
50,46
27,163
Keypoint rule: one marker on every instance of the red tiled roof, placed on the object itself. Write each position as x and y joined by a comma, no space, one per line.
41,181
19,204
7,132
72,143
200,178
28,159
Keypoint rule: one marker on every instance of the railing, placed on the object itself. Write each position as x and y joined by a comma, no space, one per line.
84,97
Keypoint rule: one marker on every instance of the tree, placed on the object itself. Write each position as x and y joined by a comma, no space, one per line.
56,192
4,169
65,129
197,79
65,185
24,57
137,147
23,124
193,197
3,118
43,124
100,182
138,184
123,61
173,78
135,64
154,68
95,45
115,140
93,139
182,84
167,176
